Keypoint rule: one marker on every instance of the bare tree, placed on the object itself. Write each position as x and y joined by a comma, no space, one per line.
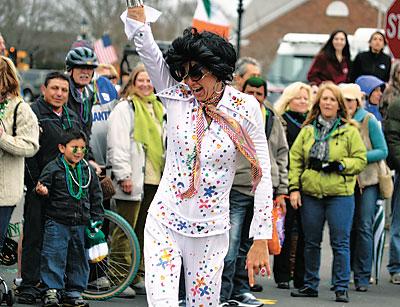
46,28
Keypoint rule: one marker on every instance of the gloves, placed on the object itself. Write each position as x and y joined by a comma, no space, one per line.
315,164
334,166
326,167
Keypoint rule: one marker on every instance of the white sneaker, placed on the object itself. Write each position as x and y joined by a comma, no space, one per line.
245,300
395,279
127,293
100,283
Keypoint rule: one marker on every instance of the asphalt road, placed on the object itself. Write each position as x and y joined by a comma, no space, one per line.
383,294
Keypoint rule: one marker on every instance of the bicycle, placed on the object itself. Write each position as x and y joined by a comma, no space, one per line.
8,257
119,275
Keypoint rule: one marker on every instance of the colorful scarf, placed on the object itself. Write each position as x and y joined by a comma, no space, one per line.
237,134
146,131
323,130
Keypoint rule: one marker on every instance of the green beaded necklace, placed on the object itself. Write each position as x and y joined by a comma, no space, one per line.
3,107
84,110
71,181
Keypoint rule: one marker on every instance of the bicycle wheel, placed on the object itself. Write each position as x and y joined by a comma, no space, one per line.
119,268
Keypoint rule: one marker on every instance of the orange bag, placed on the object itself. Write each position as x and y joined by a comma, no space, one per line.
278,234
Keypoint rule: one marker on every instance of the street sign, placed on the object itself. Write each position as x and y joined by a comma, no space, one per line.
392,28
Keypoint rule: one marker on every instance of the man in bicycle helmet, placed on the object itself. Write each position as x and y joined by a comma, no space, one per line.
80,63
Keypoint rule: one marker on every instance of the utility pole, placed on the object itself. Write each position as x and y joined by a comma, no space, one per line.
239,28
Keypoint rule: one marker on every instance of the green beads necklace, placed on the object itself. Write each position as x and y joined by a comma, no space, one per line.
78,192
84,106
3,107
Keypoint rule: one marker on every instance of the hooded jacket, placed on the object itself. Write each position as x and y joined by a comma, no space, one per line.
368,84
345,146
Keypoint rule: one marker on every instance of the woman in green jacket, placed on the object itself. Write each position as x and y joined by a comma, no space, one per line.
324,161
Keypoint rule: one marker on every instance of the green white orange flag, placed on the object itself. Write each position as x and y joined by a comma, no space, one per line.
210,17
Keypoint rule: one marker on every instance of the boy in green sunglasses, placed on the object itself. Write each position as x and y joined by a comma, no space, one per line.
75,198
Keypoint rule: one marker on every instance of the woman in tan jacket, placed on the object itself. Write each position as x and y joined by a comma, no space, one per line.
19,138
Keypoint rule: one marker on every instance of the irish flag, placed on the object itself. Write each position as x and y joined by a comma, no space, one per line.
210,17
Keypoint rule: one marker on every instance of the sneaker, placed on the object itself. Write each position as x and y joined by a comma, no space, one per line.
361,288
139,288
17,282
127,293
371,281
51,299
245,299
304,292
100,283
74,302
395,279
342,296
283,285
256,288
228,304
181,303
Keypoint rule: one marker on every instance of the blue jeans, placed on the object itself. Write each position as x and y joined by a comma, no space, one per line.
362,236
241,211
5,216
64,255
394,254
338,211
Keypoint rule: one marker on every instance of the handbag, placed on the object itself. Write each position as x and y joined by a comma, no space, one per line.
107,187
386,185
278,234
377,172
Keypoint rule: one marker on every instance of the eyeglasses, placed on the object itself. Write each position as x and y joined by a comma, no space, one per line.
194,72
76,149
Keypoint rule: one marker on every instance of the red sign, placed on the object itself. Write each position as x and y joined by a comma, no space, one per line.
392,28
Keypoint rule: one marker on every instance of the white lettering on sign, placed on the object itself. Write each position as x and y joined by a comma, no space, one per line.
393,29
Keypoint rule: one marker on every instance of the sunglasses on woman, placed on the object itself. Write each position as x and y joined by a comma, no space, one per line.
194,72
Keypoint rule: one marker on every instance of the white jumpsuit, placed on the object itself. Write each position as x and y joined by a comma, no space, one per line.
196,230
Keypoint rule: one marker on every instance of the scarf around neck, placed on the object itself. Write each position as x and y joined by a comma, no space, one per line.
323,129
146,130
236,133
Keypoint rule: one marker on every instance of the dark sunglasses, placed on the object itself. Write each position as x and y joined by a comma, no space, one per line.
194,73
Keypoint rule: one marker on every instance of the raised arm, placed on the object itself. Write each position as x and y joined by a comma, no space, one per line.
139,31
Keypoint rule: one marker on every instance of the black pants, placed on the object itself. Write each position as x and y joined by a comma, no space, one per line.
149,193
32,240
282,261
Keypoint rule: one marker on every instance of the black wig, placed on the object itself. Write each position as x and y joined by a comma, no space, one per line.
209,50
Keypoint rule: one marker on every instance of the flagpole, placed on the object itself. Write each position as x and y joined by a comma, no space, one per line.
239,28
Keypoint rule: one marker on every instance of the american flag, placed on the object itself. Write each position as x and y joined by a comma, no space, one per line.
105,50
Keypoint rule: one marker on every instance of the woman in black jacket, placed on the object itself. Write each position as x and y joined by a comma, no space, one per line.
293,106
373,62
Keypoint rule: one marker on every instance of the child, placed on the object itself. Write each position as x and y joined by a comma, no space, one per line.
75,198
